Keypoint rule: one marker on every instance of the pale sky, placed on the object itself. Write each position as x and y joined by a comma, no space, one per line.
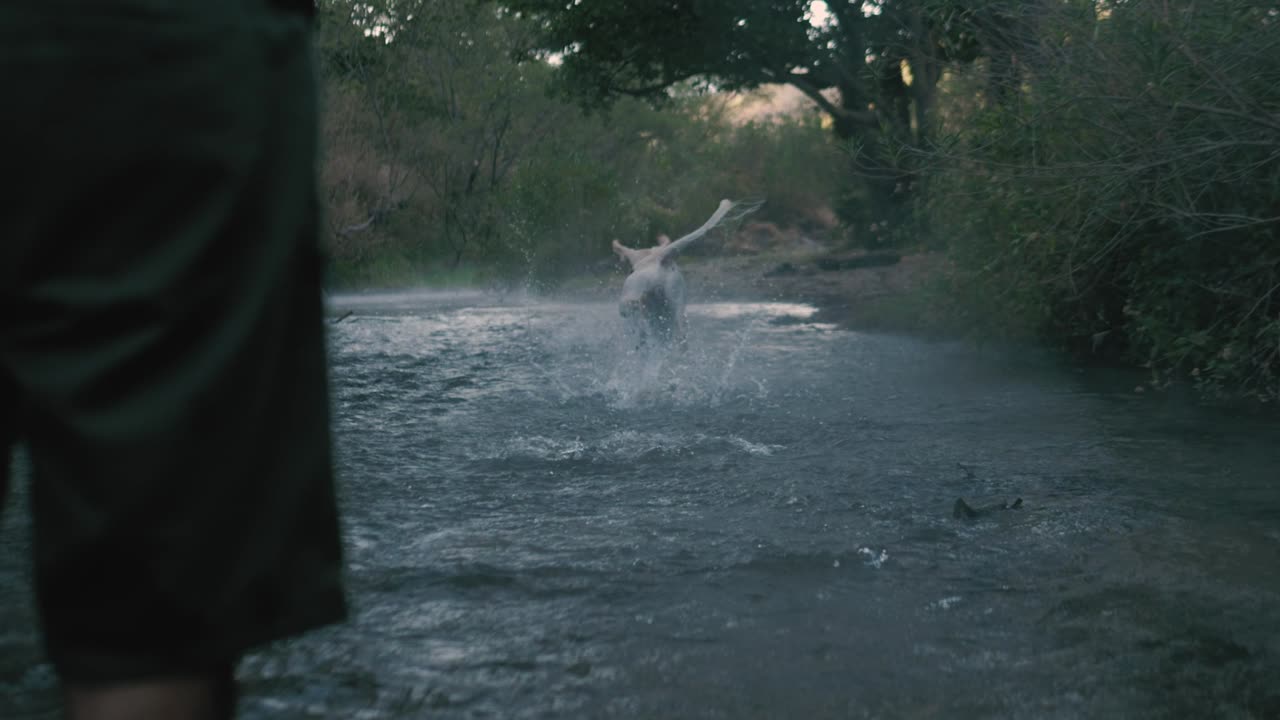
820,14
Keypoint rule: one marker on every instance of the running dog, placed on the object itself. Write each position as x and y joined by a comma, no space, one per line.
653,295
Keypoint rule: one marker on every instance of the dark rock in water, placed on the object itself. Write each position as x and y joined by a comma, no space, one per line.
785,268
964,510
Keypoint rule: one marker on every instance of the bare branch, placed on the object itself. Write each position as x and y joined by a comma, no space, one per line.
1252,117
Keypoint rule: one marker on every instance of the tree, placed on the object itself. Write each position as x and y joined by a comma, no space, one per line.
446,108
872,67
1127,201
444,155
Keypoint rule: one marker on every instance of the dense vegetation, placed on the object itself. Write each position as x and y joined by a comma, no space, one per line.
446,160
1123,197
1103,174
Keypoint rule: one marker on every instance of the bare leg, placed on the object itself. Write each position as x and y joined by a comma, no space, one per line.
203,697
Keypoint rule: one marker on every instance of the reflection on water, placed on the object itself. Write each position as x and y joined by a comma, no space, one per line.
733,310
544,522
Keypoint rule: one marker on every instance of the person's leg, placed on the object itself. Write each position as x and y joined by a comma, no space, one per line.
166,330
203,696
211,696
8,419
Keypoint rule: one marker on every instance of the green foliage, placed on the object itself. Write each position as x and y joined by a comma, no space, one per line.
634,173
613,48
853,65
1103,175
1124,199
442,149
393,271
427,119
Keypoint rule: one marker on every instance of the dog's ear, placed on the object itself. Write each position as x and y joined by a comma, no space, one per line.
624,252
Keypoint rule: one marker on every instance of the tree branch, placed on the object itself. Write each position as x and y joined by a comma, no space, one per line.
812,92
1262,120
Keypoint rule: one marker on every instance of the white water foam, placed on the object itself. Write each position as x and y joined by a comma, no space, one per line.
620,445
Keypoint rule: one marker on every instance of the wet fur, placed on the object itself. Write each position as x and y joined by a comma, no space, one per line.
653,295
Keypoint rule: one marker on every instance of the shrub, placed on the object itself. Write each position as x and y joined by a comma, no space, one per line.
1124,202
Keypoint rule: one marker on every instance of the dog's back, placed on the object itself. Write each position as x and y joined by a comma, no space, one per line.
653,295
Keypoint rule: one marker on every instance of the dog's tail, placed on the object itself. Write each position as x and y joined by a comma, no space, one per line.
740,209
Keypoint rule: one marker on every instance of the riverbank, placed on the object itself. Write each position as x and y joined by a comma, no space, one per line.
856,291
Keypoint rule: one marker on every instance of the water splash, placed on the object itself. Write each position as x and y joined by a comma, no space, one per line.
872,558
744,337
592,357
945,603
622,445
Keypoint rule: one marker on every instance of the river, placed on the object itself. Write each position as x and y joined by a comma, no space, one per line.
543,522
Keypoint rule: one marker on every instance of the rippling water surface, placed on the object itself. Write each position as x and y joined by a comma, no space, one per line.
542,522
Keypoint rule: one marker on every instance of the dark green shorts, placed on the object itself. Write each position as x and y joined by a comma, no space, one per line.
161,330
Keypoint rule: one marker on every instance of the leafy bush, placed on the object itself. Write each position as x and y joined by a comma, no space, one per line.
1124,199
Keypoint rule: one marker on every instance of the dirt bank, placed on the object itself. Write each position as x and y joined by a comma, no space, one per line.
854,290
